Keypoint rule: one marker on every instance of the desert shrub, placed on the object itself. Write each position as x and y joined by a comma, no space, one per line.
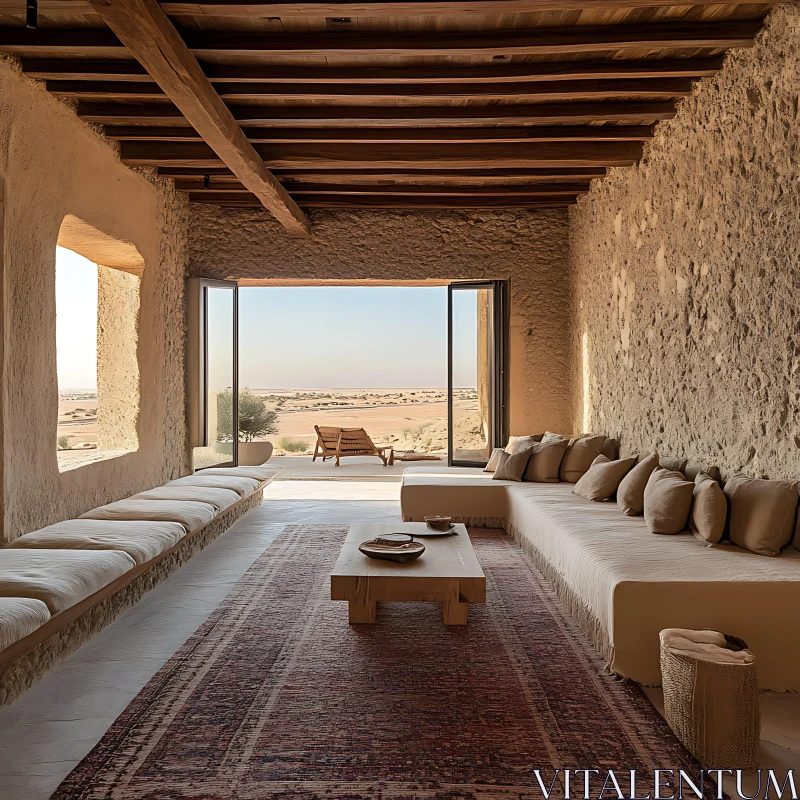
63,443
293,445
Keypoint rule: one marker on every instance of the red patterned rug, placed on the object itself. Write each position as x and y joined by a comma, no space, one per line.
276,696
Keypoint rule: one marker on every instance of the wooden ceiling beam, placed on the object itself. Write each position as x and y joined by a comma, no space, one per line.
150,37
335,201
537,41
366,8
125,70
300,176
446,190
391,156
532,133
589,89
391,116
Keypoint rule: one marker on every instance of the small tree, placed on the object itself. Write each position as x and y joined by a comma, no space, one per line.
63,443
254,418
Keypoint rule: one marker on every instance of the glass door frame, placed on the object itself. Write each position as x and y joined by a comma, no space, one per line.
197,363
499,365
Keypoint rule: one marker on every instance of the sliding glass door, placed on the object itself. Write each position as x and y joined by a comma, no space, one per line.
476,370
212,360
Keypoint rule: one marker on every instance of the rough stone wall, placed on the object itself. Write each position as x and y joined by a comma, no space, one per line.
117,362
527,247
51,165
686,273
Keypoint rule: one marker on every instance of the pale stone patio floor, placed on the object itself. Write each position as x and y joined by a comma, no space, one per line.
51,728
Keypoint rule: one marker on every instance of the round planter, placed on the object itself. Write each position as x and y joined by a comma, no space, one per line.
251,454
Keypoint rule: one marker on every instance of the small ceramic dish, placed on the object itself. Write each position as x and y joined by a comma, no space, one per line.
401,552
439,523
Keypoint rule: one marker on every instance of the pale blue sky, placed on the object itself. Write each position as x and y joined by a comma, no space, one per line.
313,337
76,321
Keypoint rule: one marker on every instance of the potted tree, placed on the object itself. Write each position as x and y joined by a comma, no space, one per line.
255,420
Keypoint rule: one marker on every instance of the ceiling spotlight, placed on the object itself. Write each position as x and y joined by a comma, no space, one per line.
32,14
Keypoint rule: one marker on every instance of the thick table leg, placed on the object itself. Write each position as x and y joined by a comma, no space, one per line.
360,608
454,611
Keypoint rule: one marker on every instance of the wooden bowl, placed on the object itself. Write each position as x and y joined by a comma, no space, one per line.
439,523
402,553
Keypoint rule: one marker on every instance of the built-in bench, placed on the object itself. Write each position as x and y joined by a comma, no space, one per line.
63,583
623,583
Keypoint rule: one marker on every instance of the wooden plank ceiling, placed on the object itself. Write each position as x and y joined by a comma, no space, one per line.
380,104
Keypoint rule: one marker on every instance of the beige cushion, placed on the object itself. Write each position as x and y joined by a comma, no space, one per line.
20,616
142,541
761,514
59,578
630,492
242,486
219,498
601,480
709,509
667,501
190,514
579,456
494,459
517,443
610,449
549,436
544,462
673,464
262,473
694,468
511,468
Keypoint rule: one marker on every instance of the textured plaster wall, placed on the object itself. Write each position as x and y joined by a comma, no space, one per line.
52,165
686,273
117,361
528,248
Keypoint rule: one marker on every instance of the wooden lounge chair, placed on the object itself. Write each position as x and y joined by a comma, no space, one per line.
341,442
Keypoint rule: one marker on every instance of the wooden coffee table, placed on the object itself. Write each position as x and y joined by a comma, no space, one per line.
448,571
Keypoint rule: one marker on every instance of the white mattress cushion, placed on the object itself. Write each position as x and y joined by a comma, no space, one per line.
219,498
20,616
263,473
141,540
59,578
191,515
242,486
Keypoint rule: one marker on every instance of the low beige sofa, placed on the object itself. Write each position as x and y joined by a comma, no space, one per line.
61,584
623,583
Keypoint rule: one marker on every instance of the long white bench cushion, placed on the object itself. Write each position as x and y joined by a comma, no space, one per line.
59,578
219,498
190,514
469,495
242,486
142,541
20,616
629,584
262,473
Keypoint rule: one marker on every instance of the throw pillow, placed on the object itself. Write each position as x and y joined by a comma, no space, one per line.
556,437
579,456
673,464
630,494
602,478
494,460
694,468
762,513
517,443
610,449
709,509
544,462
667,501
511,468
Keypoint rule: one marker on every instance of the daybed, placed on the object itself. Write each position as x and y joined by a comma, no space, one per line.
623,583
63,583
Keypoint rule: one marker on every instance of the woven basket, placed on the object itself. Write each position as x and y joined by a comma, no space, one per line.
713,708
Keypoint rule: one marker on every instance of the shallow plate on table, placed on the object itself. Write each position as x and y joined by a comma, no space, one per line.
390,551
430,532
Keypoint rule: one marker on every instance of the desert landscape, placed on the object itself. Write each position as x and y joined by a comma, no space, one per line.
408,419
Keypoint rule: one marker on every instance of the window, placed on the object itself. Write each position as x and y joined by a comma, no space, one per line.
97,309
